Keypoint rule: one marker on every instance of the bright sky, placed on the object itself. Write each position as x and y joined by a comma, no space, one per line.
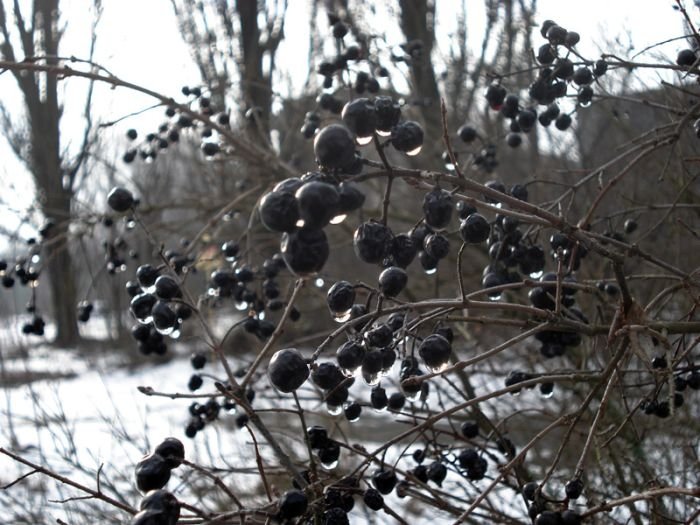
139,41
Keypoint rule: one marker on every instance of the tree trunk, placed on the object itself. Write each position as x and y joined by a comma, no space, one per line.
418,24
63,294
56,206
55,193
255,84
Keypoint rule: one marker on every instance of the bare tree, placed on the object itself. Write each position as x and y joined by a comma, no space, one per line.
235,42
38,144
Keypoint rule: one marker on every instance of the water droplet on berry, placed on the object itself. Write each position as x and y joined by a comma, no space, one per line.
175,334
338,218
241,305
372,379
300,223
342,316
334,410
319,283
333,464
438,369
383,133
493,297
351,372
35,260
414,152
363,141
431,271
536,275
165,330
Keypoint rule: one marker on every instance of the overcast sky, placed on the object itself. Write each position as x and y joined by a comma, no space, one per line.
139,41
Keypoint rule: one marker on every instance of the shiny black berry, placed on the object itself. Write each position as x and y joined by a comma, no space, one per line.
373,499
318,437
360,117
172,450
351,198
388,113
305,250
474,229
467,133
352,411
437,209
403,250
437,472
435,351
372,242
392,281
574,488
407,137
167,287
293,504
318,203
334,147
327,376
340,297
686,57
162,503
279,211
120,200
152,472
287,370
470,429
350,355
384,481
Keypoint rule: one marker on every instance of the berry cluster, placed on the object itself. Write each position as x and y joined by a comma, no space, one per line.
559,75
170,132
158,507
394,353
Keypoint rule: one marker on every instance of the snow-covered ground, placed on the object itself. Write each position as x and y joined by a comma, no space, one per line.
93,417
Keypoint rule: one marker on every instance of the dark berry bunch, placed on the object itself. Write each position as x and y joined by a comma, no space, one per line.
327,450
545,510
203,413
158,506
181,121
562,74
300,208
27,274
153,471
158,306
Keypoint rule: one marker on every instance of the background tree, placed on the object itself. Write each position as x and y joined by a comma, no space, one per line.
38,144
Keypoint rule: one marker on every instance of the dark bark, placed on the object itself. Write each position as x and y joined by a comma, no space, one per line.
245,62
255,84
418,24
